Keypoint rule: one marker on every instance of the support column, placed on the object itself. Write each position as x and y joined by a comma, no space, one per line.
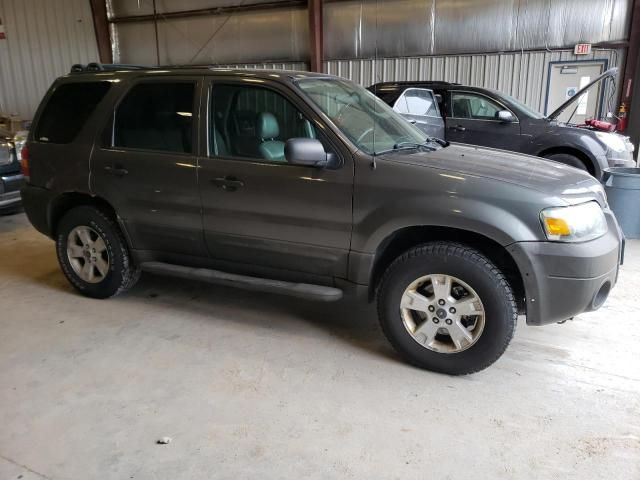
316,46
101,27
632,72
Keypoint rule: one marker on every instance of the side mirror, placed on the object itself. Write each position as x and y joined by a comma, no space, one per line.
506,116
305,151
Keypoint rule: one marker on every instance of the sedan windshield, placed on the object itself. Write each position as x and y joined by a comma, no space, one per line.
366,120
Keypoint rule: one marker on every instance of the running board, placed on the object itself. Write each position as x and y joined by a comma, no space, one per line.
300,290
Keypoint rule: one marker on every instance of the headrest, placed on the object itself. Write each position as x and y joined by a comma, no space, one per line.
267,126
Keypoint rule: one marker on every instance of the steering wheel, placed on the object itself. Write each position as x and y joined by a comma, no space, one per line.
364,134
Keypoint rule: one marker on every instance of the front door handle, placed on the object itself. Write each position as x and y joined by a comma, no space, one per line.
458,128
117,171
228,183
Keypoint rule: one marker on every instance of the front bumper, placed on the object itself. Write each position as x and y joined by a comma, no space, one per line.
10,191
562,280
614,162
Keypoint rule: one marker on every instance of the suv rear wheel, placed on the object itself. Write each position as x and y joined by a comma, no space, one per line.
446,307
93,254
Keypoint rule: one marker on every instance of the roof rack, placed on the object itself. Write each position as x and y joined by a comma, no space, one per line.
441,82
106,67
412,82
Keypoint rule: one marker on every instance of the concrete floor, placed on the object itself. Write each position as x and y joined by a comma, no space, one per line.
259,386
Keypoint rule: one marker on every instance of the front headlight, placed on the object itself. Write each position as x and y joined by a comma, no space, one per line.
576,223
618,147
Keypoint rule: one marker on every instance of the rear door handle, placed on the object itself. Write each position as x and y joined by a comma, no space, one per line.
458,128
228,183
117,171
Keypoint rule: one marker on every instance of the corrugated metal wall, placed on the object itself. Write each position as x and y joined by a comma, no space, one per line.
44,38
268,66
256,36
364,29
401,28
521,74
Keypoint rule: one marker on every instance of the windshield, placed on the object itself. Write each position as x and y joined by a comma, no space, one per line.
525,108
366,120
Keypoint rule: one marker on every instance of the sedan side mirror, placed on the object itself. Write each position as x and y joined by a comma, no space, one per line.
506,116
306,152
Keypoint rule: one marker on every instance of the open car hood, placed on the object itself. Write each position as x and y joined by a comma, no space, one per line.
611,73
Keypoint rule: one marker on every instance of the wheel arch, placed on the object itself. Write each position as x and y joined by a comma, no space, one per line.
592,166
69,200
405,238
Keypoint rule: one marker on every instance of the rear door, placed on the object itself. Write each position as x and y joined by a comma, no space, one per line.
419,106
146,165
473,118
258,210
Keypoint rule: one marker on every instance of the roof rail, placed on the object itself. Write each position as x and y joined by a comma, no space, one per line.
414,82
106,67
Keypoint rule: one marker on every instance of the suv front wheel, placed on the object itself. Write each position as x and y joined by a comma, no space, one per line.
93,254
446,307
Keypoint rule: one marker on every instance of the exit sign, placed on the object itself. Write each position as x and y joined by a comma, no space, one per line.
582,49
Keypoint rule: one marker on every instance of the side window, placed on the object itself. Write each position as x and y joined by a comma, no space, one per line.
253,123
156,116
68,109
477,107
420,101
401,104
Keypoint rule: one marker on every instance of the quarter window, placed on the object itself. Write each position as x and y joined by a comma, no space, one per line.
477,107
156,116
68,109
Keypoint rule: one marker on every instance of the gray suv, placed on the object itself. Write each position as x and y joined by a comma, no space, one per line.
309,185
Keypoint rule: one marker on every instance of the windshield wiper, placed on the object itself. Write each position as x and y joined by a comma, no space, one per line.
413,145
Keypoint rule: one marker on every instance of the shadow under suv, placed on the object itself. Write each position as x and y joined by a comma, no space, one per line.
308,185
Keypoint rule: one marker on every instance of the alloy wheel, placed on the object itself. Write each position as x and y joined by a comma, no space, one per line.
442,313
88,255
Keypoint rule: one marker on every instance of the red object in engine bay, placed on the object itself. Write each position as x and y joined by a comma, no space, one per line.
598,125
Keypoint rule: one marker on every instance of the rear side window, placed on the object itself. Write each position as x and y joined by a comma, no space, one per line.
68,109
420,101
156,116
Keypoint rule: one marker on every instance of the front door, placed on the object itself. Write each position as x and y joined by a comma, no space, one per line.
419,106
472,118
565,79
146,166
258,210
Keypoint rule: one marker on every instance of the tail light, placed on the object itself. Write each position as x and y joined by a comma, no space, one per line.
24,161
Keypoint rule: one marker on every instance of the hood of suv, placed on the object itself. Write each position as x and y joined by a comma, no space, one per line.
611,73
545,176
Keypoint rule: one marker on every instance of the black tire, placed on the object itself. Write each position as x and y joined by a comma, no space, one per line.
471,267
568,159
122,273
